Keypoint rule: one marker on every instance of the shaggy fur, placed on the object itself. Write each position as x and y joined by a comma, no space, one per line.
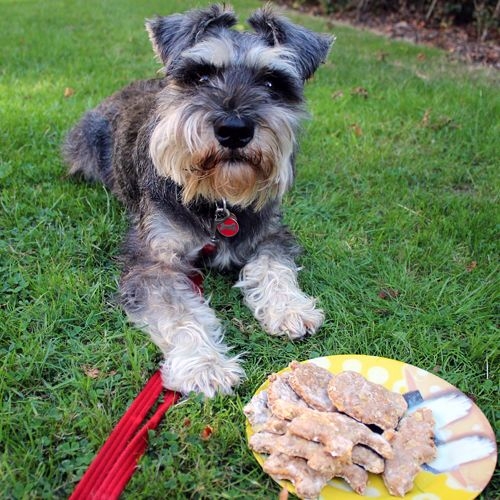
216,134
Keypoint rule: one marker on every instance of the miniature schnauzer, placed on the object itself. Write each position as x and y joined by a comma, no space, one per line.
201,159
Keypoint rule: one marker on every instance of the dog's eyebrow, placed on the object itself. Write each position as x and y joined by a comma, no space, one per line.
222,53
218,52
274,58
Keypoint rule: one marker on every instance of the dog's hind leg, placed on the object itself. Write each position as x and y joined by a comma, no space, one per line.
180,322
88,149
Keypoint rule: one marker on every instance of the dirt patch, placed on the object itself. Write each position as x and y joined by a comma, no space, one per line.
460,42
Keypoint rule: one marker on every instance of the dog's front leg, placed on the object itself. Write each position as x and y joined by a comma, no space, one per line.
180,322
270,290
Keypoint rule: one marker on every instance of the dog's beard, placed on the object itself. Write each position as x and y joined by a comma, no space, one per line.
183,147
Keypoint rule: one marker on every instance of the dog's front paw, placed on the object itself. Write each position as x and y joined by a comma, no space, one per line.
298,324
297,318
206,374
272,293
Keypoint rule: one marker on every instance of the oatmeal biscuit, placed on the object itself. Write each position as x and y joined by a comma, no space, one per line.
308,482
310,382
283,401
368,459
365,401
338,433
260,417
413,444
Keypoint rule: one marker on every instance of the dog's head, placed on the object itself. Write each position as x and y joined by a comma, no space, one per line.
228,117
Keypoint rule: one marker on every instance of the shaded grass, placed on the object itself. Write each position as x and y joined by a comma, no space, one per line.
397,190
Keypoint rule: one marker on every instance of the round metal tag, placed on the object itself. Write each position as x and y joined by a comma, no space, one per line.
229,227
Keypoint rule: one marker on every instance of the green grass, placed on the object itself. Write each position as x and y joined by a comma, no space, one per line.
397,188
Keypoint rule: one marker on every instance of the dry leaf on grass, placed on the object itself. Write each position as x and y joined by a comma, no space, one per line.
206,433
358,131
91,371
388,293
471,266
360,91
426,117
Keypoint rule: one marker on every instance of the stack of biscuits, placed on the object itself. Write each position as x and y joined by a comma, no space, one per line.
313,426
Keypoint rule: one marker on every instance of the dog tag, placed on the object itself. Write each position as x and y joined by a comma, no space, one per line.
229,227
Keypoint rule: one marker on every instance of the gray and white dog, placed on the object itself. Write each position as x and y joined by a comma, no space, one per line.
201,159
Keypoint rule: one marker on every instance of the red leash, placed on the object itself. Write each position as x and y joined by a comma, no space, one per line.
117,460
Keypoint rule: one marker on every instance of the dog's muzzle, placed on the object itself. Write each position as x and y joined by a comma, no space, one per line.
234,132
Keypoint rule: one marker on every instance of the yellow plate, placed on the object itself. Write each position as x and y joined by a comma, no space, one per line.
465,441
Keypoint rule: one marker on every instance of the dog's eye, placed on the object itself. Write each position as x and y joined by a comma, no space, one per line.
279,85
273,81
196,74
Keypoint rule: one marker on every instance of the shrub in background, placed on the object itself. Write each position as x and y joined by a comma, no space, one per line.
483,15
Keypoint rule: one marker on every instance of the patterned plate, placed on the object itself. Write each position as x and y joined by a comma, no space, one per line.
465,441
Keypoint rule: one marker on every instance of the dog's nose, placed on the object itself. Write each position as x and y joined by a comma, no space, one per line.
234,132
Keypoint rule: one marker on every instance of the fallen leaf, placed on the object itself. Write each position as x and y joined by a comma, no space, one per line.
388,293
421,56
206,433
360,91
187,422
471,266
338,94
426,118
68,92
90,371
358,132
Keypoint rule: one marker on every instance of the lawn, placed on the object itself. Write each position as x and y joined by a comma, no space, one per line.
396,206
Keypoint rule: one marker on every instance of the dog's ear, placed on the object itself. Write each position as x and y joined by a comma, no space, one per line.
171,35
311,48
